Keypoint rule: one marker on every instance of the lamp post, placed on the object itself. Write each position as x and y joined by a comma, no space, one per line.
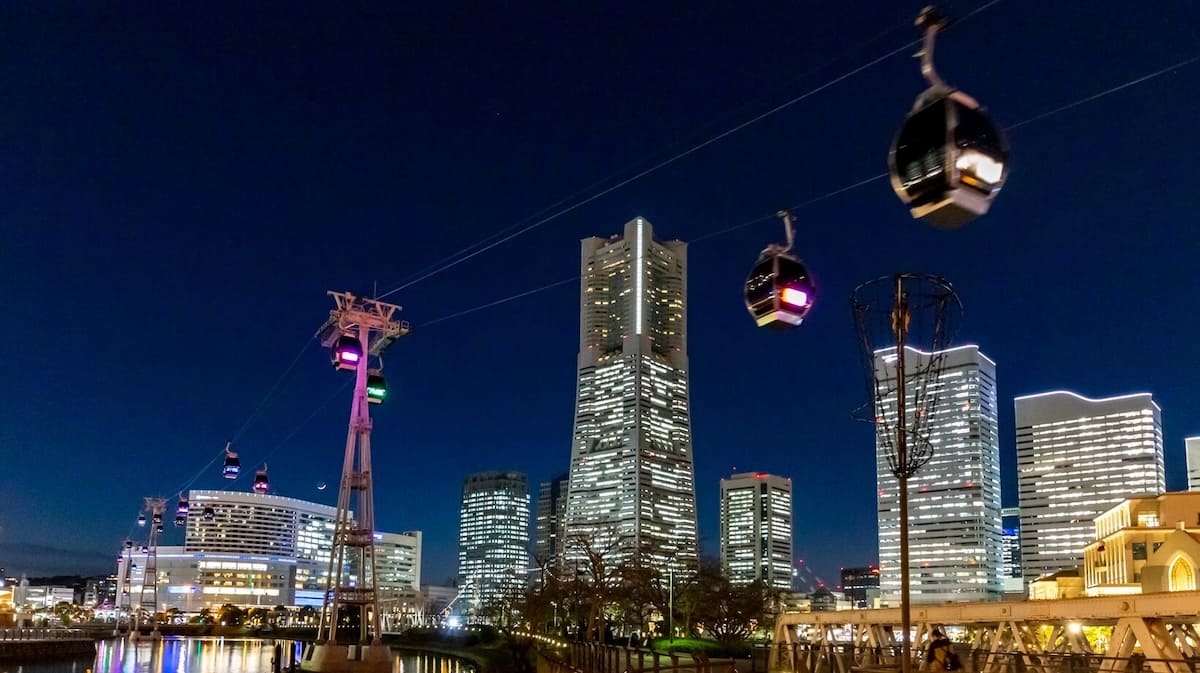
671,603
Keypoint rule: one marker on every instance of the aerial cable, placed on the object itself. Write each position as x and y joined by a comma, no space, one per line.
645,158
703,237
299,426
505,300
274,387
647,171
841,190
670,160
1106,92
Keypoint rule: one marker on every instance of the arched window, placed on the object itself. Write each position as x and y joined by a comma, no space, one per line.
1182,575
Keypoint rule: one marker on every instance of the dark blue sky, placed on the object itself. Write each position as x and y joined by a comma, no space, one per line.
179,187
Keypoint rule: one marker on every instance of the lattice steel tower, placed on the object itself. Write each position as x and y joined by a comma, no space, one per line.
357,330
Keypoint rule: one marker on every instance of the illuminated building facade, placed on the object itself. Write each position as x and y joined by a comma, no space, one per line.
259,550
861,585
1145,545
756,529
1076,458
548,519
632,485
1192,447
265,525
398,561
1011,576
955,545
493,536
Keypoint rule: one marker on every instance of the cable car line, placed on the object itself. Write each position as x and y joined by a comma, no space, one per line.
647,157
505,300
1106,92
841,190
712,234
308,342
676,157
525,225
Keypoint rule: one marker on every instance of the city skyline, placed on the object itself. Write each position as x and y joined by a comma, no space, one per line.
178,198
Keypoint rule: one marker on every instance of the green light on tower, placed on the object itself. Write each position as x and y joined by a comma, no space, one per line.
376,388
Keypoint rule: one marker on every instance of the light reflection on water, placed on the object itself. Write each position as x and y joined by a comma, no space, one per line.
212,655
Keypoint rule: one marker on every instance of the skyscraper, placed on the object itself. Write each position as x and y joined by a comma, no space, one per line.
1192,447
548,520
631,483
954,500
756,529
493,536
1076,458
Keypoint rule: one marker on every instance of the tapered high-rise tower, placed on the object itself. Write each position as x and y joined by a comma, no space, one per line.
631,485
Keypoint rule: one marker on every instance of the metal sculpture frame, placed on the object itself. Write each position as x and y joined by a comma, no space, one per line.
901,310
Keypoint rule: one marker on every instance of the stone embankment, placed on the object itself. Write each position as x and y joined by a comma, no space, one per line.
27,645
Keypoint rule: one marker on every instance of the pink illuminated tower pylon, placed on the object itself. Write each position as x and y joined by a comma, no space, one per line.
357,330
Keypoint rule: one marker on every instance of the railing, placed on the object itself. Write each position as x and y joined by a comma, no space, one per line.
598,658
43,634
845,658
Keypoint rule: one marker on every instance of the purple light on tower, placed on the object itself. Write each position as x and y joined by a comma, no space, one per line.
347,353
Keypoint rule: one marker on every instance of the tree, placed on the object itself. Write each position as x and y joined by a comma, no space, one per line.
231,615
727,612
595,576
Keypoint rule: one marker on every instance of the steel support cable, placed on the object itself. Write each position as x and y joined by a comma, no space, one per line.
816,199
672,159
648,157
850,187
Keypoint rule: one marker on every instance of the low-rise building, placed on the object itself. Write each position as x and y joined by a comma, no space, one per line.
1144,545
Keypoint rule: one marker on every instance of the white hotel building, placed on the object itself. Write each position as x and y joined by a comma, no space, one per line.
955,543
1076,459
259,550
756,529
631,482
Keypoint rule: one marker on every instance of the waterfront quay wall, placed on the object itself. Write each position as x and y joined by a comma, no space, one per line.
27,645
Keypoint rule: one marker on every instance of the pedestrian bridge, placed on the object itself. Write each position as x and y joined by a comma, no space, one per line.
1112,634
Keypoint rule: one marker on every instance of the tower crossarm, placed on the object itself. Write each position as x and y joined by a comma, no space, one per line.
352,311
356,537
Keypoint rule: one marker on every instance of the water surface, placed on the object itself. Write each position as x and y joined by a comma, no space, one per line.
211,655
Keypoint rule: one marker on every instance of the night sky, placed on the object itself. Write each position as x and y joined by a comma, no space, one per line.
179,187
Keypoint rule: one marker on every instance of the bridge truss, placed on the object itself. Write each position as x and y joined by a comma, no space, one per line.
1159,630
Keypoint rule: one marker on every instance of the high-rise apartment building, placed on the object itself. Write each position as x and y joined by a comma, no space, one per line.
1192,446
632,485
493,536
756,529
1077,458
548,520
954,501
